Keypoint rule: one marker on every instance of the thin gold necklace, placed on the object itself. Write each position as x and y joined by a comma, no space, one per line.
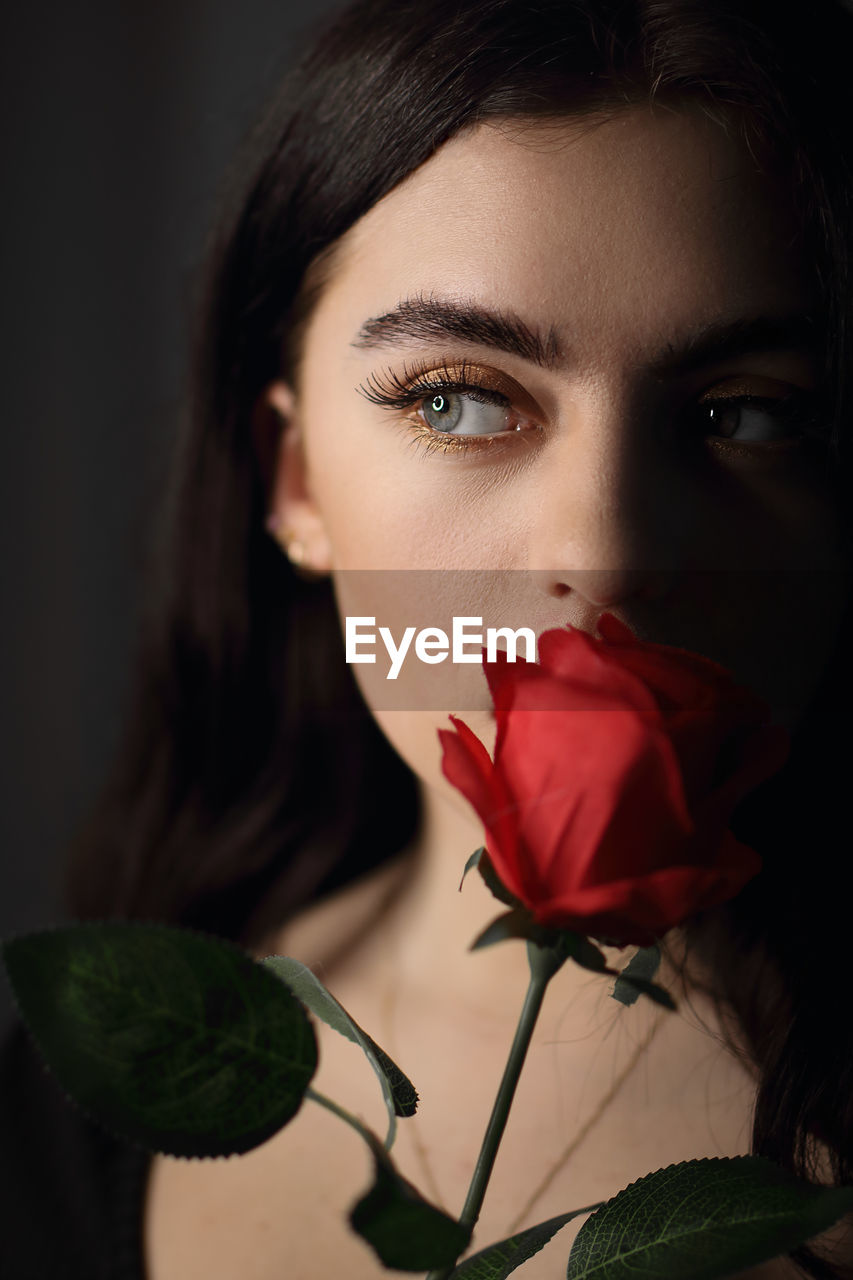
430,1184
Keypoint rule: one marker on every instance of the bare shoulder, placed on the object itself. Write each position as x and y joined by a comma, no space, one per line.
278,1211
282,1209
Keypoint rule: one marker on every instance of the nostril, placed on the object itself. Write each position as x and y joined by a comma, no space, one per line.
596,591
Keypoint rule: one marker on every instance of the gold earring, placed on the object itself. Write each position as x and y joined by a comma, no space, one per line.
293,548
291,545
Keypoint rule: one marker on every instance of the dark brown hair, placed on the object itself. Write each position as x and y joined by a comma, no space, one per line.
252,778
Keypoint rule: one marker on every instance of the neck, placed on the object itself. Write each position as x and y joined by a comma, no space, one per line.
411,920
434,924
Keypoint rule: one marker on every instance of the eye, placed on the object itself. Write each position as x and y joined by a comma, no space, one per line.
475,412
759,420
448,408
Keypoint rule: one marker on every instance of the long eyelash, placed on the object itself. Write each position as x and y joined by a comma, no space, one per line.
403,391
395,391
805,409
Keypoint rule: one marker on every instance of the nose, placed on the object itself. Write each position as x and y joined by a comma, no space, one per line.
614,520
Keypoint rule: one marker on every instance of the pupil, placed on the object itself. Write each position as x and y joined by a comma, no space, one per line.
441,406
721,419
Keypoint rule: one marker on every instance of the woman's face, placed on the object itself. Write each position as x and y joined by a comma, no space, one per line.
628,303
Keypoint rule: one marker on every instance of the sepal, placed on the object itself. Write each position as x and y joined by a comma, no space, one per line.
515,923
636,979
482,862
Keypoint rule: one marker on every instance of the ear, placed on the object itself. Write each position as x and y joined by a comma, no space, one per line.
292,514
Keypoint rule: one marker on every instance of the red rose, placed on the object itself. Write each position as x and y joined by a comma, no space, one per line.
618,764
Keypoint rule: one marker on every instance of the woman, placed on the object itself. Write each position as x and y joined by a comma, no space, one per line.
592,262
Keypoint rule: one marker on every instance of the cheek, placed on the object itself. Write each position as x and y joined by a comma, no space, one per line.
369,501
387,504
393,509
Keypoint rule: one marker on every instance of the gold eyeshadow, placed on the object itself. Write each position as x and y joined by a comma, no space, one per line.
409,389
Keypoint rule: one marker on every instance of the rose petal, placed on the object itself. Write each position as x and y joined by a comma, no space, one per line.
617,766
468,766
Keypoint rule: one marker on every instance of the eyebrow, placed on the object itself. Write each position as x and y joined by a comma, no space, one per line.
424,320
727,340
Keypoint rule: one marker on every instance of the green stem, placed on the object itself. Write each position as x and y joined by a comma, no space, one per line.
343,1114
544,963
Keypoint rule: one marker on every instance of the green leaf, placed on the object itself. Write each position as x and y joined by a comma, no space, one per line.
404,1229
702,1220
171,1038
401,1098
500,1260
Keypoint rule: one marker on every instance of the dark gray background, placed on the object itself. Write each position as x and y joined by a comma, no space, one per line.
118,121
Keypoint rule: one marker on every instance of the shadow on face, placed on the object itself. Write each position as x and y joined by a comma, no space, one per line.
562,370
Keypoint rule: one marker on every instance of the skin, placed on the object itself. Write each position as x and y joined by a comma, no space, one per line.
624,238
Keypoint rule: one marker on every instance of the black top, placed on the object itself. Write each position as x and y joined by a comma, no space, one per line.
71,1193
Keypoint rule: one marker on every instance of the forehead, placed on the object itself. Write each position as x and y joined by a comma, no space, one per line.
613,231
